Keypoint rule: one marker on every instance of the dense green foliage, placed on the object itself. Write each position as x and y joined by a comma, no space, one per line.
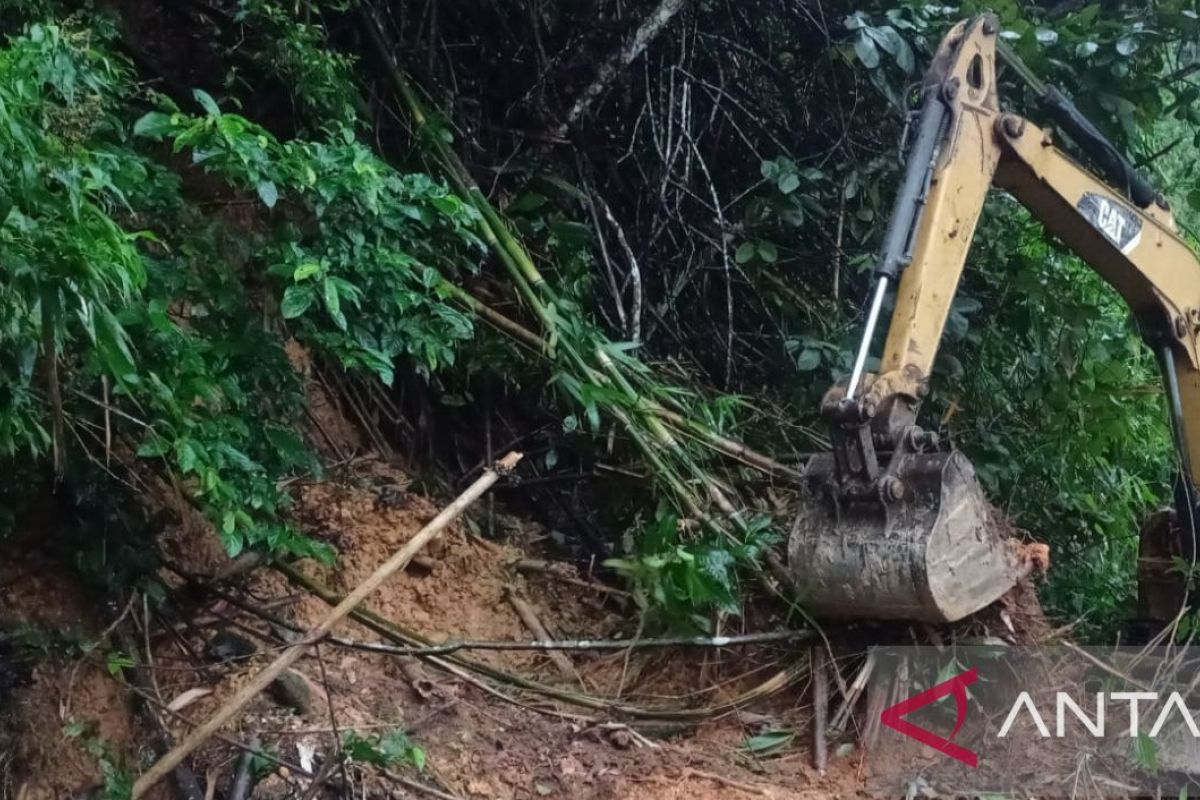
700,241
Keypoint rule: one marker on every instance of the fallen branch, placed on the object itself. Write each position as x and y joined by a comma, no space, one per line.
541,567
417,786
458,665
721,780
713,642
820,697
322,629
531,621
263,611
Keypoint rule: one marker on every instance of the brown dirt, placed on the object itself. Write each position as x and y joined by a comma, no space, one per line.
37,760
478,745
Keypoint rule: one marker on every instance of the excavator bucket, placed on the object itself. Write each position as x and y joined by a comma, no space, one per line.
932,550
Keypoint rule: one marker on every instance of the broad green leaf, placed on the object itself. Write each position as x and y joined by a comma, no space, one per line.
745,252
154,125
333,303
306,270
1045,36
296,300
789,182
808,360
206,102
768,252
769,742
864,48
268,192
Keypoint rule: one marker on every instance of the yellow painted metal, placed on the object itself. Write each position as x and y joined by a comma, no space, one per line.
955,201
1158,274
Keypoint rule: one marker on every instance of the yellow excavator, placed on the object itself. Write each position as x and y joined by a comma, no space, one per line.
899,527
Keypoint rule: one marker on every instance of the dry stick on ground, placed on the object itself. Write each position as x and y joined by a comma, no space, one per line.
542,567
319,631
531,620
838,723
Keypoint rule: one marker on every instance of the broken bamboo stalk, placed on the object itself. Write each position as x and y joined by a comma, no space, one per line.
838,723
722,444
243,779
531,621
820,695
263,679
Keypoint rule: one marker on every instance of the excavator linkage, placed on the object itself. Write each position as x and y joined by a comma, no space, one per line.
898,527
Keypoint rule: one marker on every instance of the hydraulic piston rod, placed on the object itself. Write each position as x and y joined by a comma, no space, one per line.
906,214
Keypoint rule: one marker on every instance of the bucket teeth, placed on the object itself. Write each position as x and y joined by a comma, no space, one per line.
932,550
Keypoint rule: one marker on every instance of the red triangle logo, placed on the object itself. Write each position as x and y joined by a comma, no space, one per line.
892,716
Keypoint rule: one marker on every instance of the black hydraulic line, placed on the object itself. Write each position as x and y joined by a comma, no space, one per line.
1122,174
1108,158
911,198
902,225
1186,510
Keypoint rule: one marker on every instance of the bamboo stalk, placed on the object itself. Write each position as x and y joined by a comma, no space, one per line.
458,665
531,621
722,444
289,656
820,697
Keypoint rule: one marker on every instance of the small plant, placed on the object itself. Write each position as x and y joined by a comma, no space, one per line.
686,579
117,779
391,749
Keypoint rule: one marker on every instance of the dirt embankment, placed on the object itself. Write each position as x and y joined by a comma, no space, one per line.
480,735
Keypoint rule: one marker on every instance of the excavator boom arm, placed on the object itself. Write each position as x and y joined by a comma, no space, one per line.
899,526
1134,249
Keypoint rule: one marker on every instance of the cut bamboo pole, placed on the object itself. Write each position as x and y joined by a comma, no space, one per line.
263,679
820,698
531,621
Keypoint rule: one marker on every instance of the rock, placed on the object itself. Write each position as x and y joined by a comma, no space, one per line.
226,646
294,690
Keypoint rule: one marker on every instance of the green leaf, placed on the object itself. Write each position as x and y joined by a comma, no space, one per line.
788,182
185,456
745,252
154,447
1085,49
1127,46
154,125
769,742
206,102
864,48
268,193
333,303
768,252
1045,36
296,300
306,270
808,360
